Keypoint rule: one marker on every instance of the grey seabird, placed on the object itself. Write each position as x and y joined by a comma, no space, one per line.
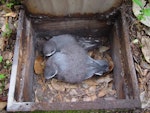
69,62
58,42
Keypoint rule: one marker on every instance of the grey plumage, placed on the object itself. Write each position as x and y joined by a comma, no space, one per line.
69,62
63,40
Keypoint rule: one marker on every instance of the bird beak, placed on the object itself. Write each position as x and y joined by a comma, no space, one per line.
50,54
100,73
51,76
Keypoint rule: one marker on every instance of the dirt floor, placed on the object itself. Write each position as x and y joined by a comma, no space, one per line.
138,41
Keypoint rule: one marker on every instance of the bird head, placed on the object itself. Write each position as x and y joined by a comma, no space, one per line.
50,71
49,48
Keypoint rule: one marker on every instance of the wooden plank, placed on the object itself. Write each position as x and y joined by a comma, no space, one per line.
71,24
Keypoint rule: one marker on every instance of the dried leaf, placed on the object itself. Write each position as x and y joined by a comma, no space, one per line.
86,98
110,98
4,9
7,86
93,97
147,30
74,100
50,87
36,98
105,79
140,80
141,87
142,95
38,65
59,97
70,86
140,70
85,86
58,85
92,89
145,48
90,82
7,55
144,65
97,55
145,71
102,93
66,99
90,53
11,14
111,63
103,49
2,43
2,21
145,100
148,78
2,105
73,92
111,91
135,41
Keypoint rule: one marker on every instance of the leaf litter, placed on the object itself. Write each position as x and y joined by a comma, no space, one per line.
145,48
141,54
7,41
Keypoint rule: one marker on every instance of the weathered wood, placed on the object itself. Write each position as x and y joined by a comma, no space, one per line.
70,25
118,72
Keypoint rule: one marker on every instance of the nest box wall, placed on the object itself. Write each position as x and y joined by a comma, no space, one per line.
68,7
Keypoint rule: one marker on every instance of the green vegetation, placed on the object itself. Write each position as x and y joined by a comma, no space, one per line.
7,64
7,32
10,3
1,58
2,76
2,81
143,11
